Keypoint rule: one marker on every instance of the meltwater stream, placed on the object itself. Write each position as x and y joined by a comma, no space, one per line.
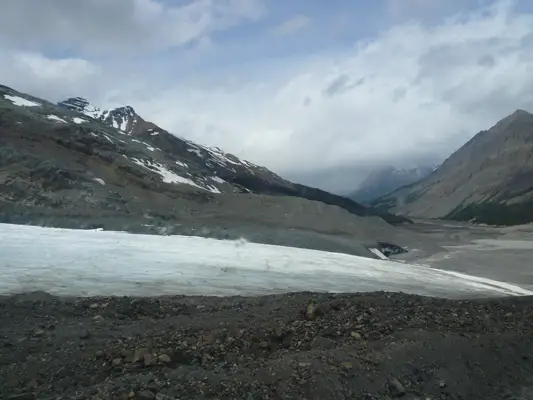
91,263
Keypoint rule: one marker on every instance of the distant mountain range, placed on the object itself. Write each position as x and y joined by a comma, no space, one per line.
387,179
488,180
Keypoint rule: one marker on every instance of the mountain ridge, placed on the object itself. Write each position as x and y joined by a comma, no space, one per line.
488,180
134,124
386,179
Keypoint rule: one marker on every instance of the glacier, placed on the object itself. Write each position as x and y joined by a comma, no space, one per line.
104,263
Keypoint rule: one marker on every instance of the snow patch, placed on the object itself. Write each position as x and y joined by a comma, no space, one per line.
108,138
100,181
167,175
78,120
213,189
21,101
182,164
221,157
148,146
55,118
124,125
379,254
218,179
195,151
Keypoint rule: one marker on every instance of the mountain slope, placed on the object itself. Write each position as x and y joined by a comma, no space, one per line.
387,179
240,173
73,165
489,179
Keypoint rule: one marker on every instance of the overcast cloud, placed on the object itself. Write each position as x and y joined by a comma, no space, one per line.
314,93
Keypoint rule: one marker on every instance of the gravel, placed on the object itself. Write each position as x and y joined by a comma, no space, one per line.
293,346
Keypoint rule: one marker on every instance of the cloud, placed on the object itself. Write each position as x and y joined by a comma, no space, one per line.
426,8
341,84
413,92
293,25
118,26
42,76
410,92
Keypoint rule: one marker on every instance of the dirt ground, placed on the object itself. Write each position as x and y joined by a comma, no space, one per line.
498,253
293,346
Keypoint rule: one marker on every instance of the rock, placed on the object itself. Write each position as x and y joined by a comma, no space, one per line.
310,312
39,333
321,342
85,334
94,306
128,356
98,318
145,395
356,335
208,338
149,359
278,332
442,384
164,358
396,388
139,354
313,312
22,396
346,365
336,304
33,384
117,361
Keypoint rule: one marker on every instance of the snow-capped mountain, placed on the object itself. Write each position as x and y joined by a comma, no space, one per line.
123,118
387,179
74,158
126,121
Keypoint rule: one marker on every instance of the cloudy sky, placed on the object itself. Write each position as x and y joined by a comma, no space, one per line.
319,91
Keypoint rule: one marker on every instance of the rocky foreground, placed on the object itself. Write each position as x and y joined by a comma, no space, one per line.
294,346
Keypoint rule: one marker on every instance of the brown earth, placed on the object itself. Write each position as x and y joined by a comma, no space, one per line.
294,346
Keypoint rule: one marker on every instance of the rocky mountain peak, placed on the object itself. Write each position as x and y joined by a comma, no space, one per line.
125,110
81,105
123,118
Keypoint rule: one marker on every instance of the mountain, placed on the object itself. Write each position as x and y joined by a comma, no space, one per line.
124,119
74,165
388,179
488,180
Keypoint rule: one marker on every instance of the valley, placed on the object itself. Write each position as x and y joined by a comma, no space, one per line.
500,253
139,258
266,200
